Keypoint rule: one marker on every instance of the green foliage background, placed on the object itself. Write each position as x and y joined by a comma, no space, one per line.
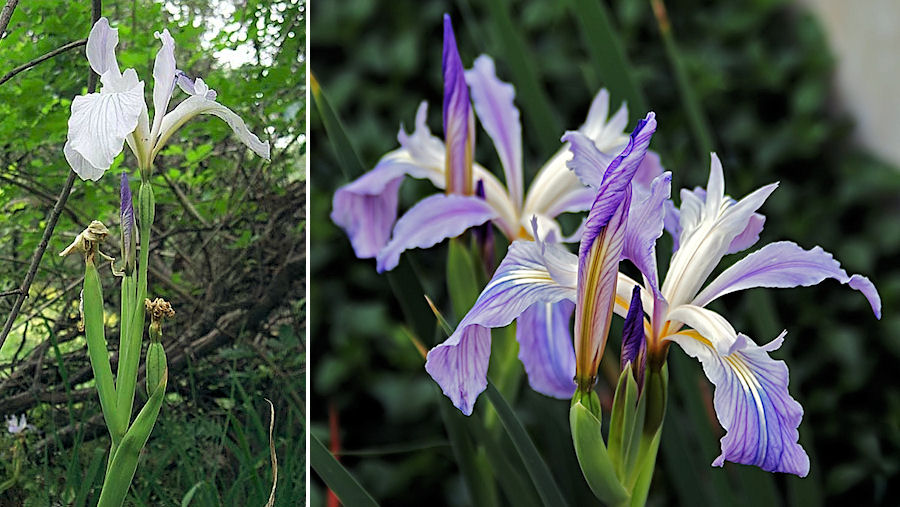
761,70
243,237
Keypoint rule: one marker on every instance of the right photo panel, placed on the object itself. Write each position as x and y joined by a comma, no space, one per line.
603,253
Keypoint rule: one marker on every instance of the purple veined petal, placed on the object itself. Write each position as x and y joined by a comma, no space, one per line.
101,48
634,339
459,124
432,220
617,175
544,332
588,162
494,104
749,236
752,402
597,282
459,364
645,226
785,264
427,153
163,77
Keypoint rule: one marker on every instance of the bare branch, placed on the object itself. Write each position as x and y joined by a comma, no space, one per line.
25,66
60,202
6,14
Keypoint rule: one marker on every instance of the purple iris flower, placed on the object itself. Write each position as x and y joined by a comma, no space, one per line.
366,208
751,398
538,282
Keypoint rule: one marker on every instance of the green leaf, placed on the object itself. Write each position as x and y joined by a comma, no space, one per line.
474,470
96,343
348,160
537,468
462,281
124,462
587,436
532,97
608,54
336,477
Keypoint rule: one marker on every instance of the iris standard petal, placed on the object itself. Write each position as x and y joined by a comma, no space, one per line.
709,228
694,200
752,403
459,364
459,126
432,220
645,226
199,104
544,332
101,48
785,264
163,77
494,103
98,126
588,163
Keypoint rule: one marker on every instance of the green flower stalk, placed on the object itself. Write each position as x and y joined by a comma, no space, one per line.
99,127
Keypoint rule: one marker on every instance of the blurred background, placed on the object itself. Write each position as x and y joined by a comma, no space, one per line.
229,254
775,102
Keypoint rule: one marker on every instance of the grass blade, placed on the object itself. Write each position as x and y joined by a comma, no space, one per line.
348,160
336,477
608,55
696,118
531,95
534,463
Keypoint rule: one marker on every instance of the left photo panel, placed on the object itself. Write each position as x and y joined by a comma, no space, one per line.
153,252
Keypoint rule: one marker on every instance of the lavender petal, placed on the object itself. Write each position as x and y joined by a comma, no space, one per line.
431,221
544,333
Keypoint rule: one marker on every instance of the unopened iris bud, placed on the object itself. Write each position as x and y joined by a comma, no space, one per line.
158,309
129,231
634,340
459,119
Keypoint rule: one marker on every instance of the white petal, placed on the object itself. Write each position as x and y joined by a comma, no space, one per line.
99,124
198,104
101,47
163,77
80,165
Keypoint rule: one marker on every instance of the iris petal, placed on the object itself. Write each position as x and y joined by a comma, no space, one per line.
752,403
459,364
499,116
199,104
544,332
98,126
432,220
785,264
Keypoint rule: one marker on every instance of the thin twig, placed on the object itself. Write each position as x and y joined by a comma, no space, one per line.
25,66
60,202
10,293
6,14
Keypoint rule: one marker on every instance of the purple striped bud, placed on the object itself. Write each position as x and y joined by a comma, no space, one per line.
129,232
459,119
